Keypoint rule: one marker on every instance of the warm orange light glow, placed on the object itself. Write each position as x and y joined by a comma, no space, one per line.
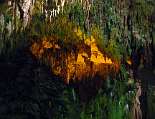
129,62
73,65
96,55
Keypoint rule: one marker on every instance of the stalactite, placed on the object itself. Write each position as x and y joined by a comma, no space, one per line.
62,4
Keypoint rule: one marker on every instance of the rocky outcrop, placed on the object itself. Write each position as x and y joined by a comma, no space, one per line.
85,61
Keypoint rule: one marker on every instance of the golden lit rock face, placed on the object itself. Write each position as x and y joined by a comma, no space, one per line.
84,63
96,55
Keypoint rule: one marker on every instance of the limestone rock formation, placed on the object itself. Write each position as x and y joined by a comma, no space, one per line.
86,62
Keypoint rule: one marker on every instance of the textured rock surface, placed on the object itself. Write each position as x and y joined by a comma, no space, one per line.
26,6
74,65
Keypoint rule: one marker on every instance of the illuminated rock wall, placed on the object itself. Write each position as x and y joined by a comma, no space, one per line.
74,65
